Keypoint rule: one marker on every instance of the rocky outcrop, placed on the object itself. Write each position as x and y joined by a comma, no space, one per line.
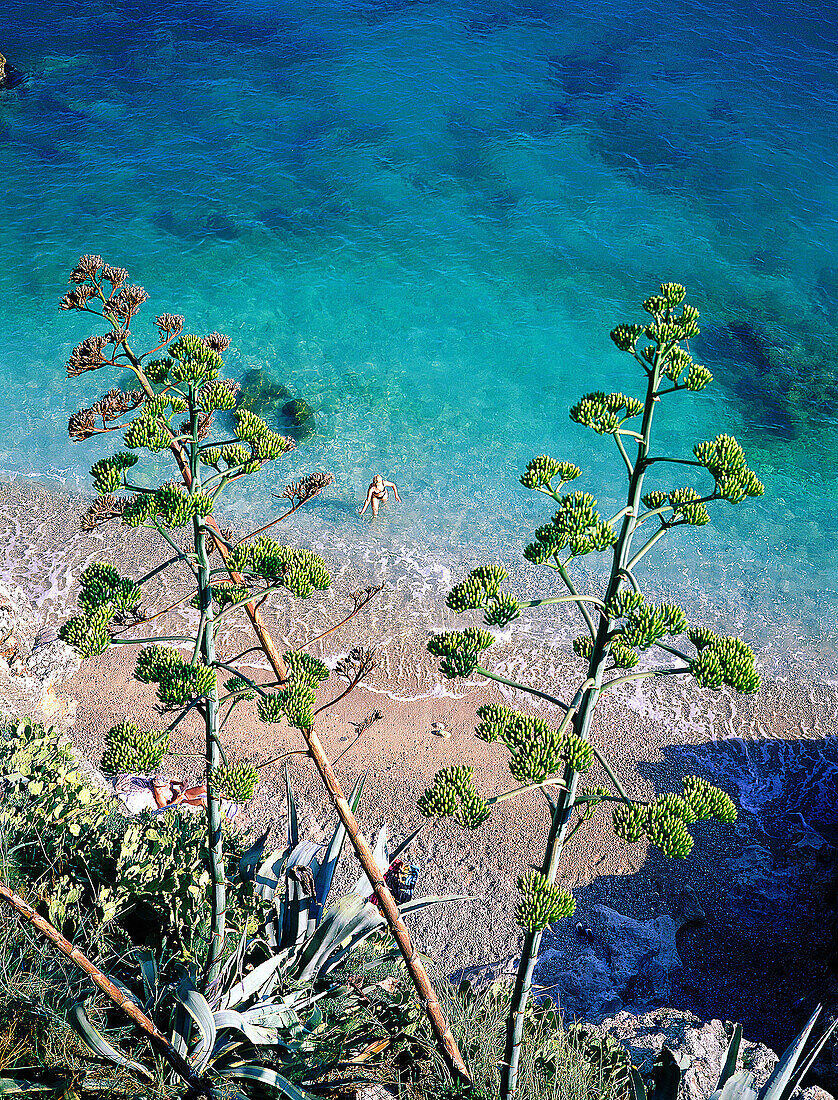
617,962
704,1044
32,665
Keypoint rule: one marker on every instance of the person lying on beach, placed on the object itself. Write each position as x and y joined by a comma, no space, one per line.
378,492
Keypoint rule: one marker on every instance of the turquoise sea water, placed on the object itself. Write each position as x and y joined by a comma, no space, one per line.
424,218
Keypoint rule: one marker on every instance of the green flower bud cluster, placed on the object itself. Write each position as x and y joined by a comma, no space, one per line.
629,822
455,795
698,377
583,646
503,609
234,454
234,781
130,749
101,585
623,603
107,472
192,360
264,444
725,460
459,650
626,336
157,370
305,669
671,295
170,505
147,431
224,594
236,686
537,750
706,801
723,659
665,820
685,510
494,719
605,412
480,586
676,362
622,655
211,456
300,571
216,395
294,703
178,682
88,633
576,525
646,624
542,469
594,796
541,903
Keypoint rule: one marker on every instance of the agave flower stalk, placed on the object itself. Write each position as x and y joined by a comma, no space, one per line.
620,625
186,380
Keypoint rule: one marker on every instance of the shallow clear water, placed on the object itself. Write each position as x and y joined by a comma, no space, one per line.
424,218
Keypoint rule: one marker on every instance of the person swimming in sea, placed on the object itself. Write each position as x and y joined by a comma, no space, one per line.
378,492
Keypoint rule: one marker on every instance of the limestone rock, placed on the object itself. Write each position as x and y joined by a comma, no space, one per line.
298,411
32,666
623,963
704,1043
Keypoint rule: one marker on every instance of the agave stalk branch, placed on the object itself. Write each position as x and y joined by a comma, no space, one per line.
158,1040
521,687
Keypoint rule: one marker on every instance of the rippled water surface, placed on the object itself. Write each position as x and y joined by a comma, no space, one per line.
424,218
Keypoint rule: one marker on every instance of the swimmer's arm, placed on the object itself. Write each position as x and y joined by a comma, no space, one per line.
395,490
366,502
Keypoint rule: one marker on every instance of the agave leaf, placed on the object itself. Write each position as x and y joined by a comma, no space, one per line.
415,904
148,969
254,1033
34,1081
181,1030
198,1008
731,1058
260,980
296,911
363,886
268,1077
251,858
408,840
323,881
234,962
266,879
79,1022
347,922
809,1060
739,1086
293,831
638,1086
784,1071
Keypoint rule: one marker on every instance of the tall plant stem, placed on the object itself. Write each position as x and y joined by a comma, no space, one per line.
158,1040
582,722
419,976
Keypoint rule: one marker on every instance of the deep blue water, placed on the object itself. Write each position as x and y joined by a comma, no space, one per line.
424,218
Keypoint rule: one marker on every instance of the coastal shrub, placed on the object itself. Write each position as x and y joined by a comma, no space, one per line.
625,637
82,859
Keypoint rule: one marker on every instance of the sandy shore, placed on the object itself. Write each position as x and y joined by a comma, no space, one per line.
652,735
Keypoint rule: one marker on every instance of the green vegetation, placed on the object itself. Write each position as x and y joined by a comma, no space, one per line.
626,637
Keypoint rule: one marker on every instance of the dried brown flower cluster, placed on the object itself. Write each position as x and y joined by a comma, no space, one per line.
110,407
103,509
86,268
169,325
358,663
306,488
216,341
124,304
364,595
204,424
88,355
